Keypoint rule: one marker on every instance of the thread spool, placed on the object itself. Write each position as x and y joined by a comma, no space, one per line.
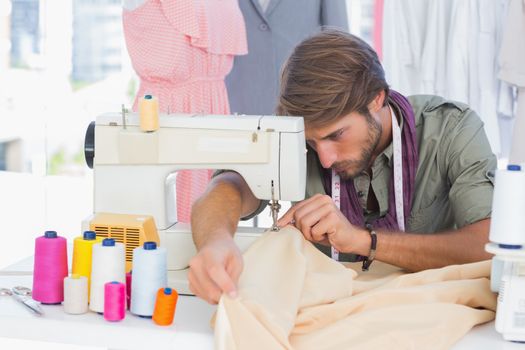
128,289
108,265
50,268
149,113
76,294
82,255
165,306
507,225
114,301
149,274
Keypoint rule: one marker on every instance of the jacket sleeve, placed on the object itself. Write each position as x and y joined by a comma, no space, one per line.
470,170
333,14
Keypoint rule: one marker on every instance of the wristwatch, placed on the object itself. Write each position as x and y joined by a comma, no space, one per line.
367,261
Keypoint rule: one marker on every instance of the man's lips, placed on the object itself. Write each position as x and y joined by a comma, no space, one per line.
339,169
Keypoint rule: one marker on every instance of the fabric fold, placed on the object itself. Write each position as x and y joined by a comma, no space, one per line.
207,26
183,16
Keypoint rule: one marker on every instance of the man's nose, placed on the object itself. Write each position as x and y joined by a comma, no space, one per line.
327,155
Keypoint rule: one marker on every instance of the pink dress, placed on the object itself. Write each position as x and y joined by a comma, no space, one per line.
182,50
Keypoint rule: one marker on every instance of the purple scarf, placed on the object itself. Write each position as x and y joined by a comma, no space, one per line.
350,206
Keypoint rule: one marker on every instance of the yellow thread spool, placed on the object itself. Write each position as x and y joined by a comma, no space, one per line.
149,113
82,255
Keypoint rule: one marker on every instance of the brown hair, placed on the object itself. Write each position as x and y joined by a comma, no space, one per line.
328,76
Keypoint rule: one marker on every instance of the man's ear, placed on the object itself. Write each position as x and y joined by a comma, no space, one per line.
378,102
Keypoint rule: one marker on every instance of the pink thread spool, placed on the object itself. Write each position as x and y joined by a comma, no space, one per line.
128,289
50,268
114,301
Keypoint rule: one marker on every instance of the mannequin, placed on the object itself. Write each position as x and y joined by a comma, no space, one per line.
182,50
274,27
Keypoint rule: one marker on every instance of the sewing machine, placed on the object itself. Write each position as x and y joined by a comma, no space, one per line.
135,171
508,272
507,236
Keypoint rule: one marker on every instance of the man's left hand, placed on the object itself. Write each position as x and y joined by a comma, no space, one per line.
320,221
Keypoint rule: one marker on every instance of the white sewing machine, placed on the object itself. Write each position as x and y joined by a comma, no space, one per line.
135,171
507,236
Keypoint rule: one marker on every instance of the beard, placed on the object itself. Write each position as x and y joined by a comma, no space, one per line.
350,168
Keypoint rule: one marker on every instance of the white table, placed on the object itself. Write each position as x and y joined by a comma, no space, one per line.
190,330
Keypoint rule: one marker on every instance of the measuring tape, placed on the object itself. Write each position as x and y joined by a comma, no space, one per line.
336,197
398,180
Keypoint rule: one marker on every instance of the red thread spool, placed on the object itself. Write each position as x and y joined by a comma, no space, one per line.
50,268
114,301
165,306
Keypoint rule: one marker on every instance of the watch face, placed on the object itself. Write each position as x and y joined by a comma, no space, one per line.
366,264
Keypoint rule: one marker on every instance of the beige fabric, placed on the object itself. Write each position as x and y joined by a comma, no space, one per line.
291,296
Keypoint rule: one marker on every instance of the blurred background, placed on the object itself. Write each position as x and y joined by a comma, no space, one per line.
62,63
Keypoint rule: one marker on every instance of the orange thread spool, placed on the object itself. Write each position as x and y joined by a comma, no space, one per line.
165,306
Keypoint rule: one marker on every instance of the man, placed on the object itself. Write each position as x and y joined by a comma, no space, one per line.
365,142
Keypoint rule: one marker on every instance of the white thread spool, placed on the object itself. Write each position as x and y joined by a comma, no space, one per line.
108,265
507,225
149,274
75,294
149,113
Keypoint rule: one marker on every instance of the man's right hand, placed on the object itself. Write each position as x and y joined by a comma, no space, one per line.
215,270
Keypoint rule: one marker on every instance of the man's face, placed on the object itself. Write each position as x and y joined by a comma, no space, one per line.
346,145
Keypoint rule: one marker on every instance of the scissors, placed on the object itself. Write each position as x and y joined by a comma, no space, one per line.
23,296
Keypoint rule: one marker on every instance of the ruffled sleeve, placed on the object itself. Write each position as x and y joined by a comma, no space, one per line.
216,26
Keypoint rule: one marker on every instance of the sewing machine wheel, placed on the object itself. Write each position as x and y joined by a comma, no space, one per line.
89,145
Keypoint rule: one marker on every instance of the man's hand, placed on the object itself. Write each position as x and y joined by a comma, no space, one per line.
215,270
321,221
